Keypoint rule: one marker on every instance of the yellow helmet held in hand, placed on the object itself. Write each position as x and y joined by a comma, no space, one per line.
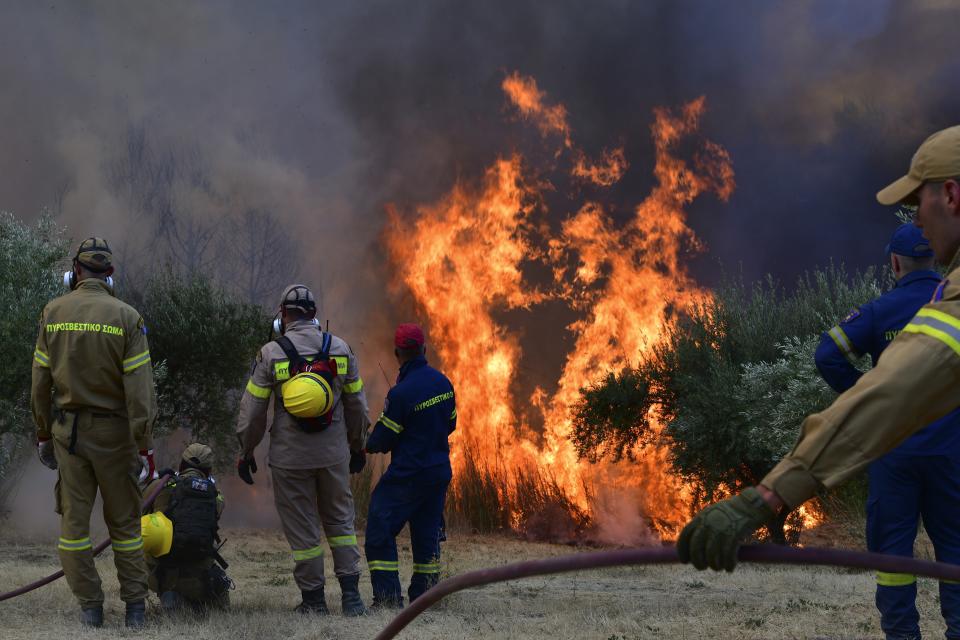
307,395
157,532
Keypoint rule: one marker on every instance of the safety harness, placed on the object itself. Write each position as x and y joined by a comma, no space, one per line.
323,366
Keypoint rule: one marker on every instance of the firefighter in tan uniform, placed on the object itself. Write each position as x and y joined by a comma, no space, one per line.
316,441
915,382
93,404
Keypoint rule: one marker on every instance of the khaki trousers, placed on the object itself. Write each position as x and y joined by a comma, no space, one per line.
104,457
307,499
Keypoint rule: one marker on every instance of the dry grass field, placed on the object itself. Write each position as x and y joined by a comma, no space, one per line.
613,604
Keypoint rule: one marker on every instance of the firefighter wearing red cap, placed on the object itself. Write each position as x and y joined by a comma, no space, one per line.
316,442
94,405
418,415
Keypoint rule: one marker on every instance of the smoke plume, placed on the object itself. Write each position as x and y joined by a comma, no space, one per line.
310,118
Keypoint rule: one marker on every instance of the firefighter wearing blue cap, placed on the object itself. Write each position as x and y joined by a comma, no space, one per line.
921,477
912,385
419,414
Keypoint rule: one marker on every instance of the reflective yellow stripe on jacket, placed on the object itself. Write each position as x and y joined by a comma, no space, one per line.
343,364
353,387
390,424
136,361
937,324
257,391
840,338
41,358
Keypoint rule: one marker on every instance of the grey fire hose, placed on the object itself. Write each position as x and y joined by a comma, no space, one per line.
766,554
96,550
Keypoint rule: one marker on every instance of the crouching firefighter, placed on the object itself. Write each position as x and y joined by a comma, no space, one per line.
316,442
419,414
180,536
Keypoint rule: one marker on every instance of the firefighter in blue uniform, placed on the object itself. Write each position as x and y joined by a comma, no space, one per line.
921,477
418,416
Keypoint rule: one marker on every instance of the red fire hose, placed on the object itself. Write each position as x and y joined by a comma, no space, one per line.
767,554
96,550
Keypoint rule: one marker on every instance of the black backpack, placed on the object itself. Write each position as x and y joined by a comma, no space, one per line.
193,511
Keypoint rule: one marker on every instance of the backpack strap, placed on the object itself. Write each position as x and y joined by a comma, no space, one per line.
174,498
325,348
290,351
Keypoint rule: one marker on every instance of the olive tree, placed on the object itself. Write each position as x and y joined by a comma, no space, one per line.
202,341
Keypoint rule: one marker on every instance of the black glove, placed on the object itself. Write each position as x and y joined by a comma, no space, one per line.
49,460
246,466
358,461
713,537
167,472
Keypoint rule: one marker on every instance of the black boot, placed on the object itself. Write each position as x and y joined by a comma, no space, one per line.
419,584
313,602
350,596
386,602
170,601
136,615
91,616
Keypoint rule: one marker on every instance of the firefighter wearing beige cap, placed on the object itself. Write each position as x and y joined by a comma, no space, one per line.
316,441
93,404
186,568
914,383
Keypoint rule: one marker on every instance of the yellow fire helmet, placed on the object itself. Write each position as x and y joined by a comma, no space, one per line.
307,395
157,532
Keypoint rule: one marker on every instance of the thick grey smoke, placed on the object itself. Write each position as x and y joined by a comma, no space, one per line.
321,113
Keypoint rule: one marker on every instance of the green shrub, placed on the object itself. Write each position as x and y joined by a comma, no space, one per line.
202,341
31,259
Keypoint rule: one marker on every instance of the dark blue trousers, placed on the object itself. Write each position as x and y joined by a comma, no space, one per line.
392,505
904,489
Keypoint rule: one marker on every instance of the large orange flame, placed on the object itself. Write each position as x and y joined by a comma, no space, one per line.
464,263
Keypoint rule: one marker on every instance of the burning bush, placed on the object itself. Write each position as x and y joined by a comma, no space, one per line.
730,382
598,279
